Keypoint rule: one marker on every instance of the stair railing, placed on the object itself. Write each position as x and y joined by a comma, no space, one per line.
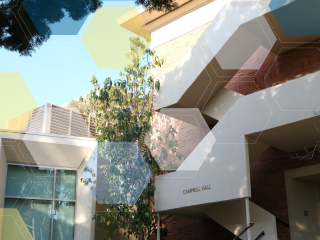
261,234
243,231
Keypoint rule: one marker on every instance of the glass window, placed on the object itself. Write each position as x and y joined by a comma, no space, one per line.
36,215
63,220
45,199
65,185
25,181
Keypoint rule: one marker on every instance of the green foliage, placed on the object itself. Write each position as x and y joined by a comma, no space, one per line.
121,111
20,33
158,5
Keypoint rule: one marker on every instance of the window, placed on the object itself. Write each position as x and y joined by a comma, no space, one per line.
45,198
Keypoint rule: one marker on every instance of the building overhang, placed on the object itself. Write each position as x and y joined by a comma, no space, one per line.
143,22
199,75
46,149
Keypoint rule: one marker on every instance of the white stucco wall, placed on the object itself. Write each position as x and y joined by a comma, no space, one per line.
84,225
226,167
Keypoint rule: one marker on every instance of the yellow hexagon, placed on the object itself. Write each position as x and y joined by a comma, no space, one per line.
16,101
107,41
12,225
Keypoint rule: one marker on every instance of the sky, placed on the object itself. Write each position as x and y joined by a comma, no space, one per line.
61,69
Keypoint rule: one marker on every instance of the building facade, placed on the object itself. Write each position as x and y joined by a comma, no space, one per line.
248,70
251,68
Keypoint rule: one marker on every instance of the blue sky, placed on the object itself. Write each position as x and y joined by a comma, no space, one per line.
61,68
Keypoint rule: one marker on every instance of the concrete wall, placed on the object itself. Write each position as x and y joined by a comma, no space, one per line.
228,159
232,215
85,208
3,169
186,23
302,195
263,221
304,198
221,102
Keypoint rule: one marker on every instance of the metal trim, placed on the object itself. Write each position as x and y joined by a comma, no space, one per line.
43,166
53,202
5,186
36,198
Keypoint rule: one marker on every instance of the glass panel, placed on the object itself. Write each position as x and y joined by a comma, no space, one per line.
63,220
25,181
66,184
36,215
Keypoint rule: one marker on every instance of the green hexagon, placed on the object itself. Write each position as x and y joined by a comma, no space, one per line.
15,99
107,41
12,225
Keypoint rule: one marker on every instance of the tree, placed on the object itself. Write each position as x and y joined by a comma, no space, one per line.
23,31
24,25
309,154
121,111
158,5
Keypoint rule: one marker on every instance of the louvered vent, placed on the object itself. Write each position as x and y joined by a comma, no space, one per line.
60,121
67,122
63,122
31,121
79,127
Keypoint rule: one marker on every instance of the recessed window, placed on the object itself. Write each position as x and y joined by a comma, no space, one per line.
45,199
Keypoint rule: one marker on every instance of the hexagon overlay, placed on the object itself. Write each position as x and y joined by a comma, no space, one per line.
243,32
16,99
297,17
175,133
12,225
107,41
116,173
58,17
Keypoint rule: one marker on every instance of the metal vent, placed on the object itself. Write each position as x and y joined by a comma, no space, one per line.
31,121
63,122
79,127
67,122
60,121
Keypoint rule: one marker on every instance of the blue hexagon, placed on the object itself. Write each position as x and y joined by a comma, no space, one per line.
116,173
58,17
297,17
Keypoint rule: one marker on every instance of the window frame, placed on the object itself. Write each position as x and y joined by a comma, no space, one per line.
53,199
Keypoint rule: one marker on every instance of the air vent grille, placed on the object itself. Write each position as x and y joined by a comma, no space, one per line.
31,121
67,122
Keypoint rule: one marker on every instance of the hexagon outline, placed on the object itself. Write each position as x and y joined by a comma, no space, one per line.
94,154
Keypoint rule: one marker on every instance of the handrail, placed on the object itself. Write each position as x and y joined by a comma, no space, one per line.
261,234
243,231
280,221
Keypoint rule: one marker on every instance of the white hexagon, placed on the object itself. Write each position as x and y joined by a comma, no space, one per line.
176,135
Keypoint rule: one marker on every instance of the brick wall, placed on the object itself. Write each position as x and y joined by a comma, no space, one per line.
275,69
268,191
187,137
267,173
268,184
174,50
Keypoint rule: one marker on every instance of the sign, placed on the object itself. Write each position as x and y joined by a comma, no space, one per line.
197,189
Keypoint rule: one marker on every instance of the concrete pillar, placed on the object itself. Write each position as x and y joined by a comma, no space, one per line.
158,227
46,118
248,218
